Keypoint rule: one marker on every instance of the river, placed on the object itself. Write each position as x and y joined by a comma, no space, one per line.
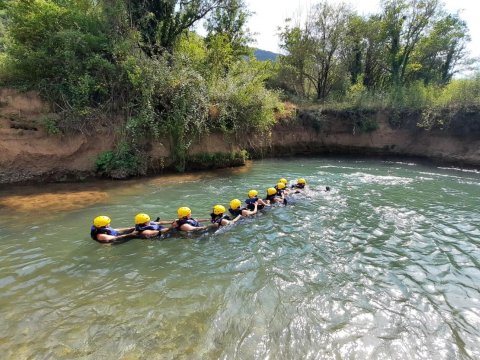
384,266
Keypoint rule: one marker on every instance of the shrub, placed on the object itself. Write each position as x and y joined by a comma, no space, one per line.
242,103
121,163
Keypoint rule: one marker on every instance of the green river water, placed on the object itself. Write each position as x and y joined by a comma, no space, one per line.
384,266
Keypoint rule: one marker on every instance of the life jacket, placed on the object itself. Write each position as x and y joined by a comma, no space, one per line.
236,212
251,204
217,219
191,222
94,231
150,226
298,186
271,198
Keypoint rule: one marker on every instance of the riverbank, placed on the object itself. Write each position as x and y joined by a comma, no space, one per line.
28,153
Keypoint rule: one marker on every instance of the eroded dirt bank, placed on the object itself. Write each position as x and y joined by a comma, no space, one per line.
29,154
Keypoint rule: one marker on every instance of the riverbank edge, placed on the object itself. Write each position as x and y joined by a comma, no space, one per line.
28,154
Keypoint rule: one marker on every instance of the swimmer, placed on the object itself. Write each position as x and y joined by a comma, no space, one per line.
147,229
185,222
272,196
253,199
236,210
300,185
285,183
281,192
102,232
219,219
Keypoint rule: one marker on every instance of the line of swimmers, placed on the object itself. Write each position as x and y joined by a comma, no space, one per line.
101,230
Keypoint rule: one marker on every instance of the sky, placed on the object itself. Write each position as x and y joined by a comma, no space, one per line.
270,14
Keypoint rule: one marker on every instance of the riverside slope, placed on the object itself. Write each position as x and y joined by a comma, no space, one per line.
29,154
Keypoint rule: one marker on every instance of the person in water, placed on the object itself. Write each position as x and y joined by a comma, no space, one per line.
219,219
284,188
147,229
272,196
102,232
300,185
253,199
185,222
281,190
237,209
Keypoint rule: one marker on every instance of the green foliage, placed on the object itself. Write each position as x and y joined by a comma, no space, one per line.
50,125
136,63
408,41
216,160
121,163
161,22
228,22
61,49
241,102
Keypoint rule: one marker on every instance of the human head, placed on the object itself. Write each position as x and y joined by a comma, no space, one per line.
184,212
283,180
218,209
101,221
301,181
141,218
281,185
252,193
235,204
271,191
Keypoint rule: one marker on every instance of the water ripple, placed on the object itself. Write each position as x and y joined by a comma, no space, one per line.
384,266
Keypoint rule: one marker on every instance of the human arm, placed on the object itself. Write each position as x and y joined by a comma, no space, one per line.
188,227
128,230
236,219
262,202
246,212
112,239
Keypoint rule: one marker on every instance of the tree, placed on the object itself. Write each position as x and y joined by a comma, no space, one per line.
438,54
296,42
161,22
328,25
229,22
404,24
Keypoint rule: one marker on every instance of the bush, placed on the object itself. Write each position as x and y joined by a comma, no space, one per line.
242,102
121,163
216,160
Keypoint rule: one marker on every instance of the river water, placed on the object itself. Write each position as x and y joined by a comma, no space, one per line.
384,266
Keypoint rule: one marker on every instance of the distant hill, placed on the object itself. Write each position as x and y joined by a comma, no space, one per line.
264,55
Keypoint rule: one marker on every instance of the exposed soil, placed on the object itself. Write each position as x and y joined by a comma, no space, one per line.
29,154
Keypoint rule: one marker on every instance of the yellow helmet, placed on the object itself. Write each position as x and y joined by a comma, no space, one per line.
283,180
281,185
301,181
235,204
252,193
101,221
271,191
141,219
184,212
218,209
